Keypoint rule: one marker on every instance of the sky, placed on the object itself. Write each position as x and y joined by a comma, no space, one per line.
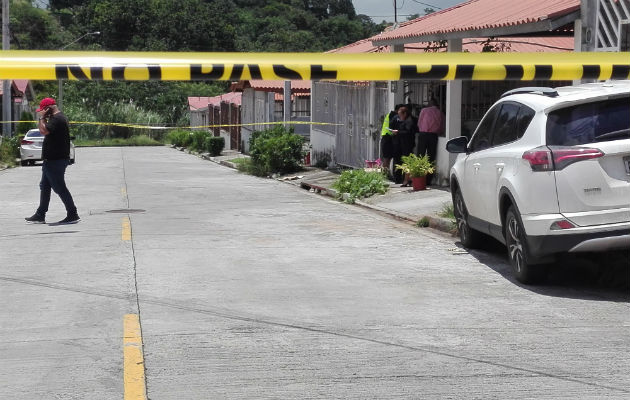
381,10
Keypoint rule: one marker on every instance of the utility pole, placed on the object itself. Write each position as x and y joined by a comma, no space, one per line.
395,13
6,84
287,103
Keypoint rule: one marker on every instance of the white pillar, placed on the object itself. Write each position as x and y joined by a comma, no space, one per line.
453,120
372,118
396,89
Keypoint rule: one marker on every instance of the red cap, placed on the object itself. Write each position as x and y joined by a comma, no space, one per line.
46,102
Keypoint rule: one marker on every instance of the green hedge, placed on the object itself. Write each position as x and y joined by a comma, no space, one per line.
198,140
10,149
276,150
215,145
180,138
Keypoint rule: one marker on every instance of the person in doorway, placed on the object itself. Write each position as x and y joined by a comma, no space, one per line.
403,129
430,126
53,124
387,140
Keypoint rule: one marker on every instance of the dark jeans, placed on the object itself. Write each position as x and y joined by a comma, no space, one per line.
427,144
53,172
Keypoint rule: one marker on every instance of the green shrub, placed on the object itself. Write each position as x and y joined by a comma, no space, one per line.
10,149
276,150
358,184
140,140
26,123
198,140
215,145
180,138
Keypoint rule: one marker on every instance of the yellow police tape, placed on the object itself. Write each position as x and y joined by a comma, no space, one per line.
139,66
138,126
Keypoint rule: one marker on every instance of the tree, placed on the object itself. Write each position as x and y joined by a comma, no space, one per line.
35,29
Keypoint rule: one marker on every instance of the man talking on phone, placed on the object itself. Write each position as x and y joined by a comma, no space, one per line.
53,124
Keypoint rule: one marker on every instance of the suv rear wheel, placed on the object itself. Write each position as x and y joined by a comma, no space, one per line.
524,269
469,237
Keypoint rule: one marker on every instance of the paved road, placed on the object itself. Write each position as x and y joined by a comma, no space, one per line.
251,288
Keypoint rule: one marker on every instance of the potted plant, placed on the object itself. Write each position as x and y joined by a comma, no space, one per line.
417,168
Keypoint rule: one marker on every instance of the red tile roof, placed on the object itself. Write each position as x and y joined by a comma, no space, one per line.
473,45
231,97
278,86
481,14
21,84
196,103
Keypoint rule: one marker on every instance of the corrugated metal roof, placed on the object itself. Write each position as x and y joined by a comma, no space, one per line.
21,84
278,86
196,103
481,14
473,45
231,97
199,103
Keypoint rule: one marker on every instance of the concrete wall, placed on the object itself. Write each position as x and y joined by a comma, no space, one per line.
322,147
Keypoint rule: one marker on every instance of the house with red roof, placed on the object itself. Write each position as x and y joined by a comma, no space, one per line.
22,99
471,26
220,115
263,102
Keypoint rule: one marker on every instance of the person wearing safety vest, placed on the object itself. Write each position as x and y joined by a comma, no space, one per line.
387,139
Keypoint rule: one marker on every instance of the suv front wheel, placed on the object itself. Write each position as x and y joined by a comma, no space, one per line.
469,237
524,269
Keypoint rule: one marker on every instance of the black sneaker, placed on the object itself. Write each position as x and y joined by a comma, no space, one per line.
70,219
36,219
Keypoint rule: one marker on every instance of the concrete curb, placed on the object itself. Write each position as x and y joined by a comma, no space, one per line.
437,223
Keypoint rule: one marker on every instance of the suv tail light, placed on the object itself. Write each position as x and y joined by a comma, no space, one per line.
24,141
556,158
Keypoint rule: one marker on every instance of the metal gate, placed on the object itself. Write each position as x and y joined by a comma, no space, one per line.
359,109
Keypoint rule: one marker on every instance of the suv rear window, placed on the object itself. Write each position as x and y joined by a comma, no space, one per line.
589,123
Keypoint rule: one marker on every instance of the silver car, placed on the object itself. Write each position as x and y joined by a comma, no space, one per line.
31,148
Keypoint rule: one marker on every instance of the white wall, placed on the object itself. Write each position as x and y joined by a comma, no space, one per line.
322,144
199,117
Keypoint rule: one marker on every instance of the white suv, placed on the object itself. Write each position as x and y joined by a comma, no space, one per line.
547,171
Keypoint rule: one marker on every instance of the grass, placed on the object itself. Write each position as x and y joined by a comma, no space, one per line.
358,184
447,211
132,141
423,223
239,161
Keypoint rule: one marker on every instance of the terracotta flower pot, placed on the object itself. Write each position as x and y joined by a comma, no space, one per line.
419,182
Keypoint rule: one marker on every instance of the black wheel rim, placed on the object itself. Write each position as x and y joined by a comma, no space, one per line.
515,245
460,216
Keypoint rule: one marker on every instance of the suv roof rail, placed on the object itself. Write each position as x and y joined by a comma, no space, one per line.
544,91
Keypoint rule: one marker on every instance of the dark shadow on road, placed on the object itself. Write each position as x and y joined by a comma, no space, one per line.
38,234
600,277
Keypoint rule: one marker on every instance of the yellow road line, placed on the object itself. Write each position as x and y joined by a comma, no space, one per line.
133,359
126,229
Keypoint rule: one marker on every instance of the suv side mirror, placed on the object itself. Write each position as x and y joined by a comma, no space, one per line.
457,145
